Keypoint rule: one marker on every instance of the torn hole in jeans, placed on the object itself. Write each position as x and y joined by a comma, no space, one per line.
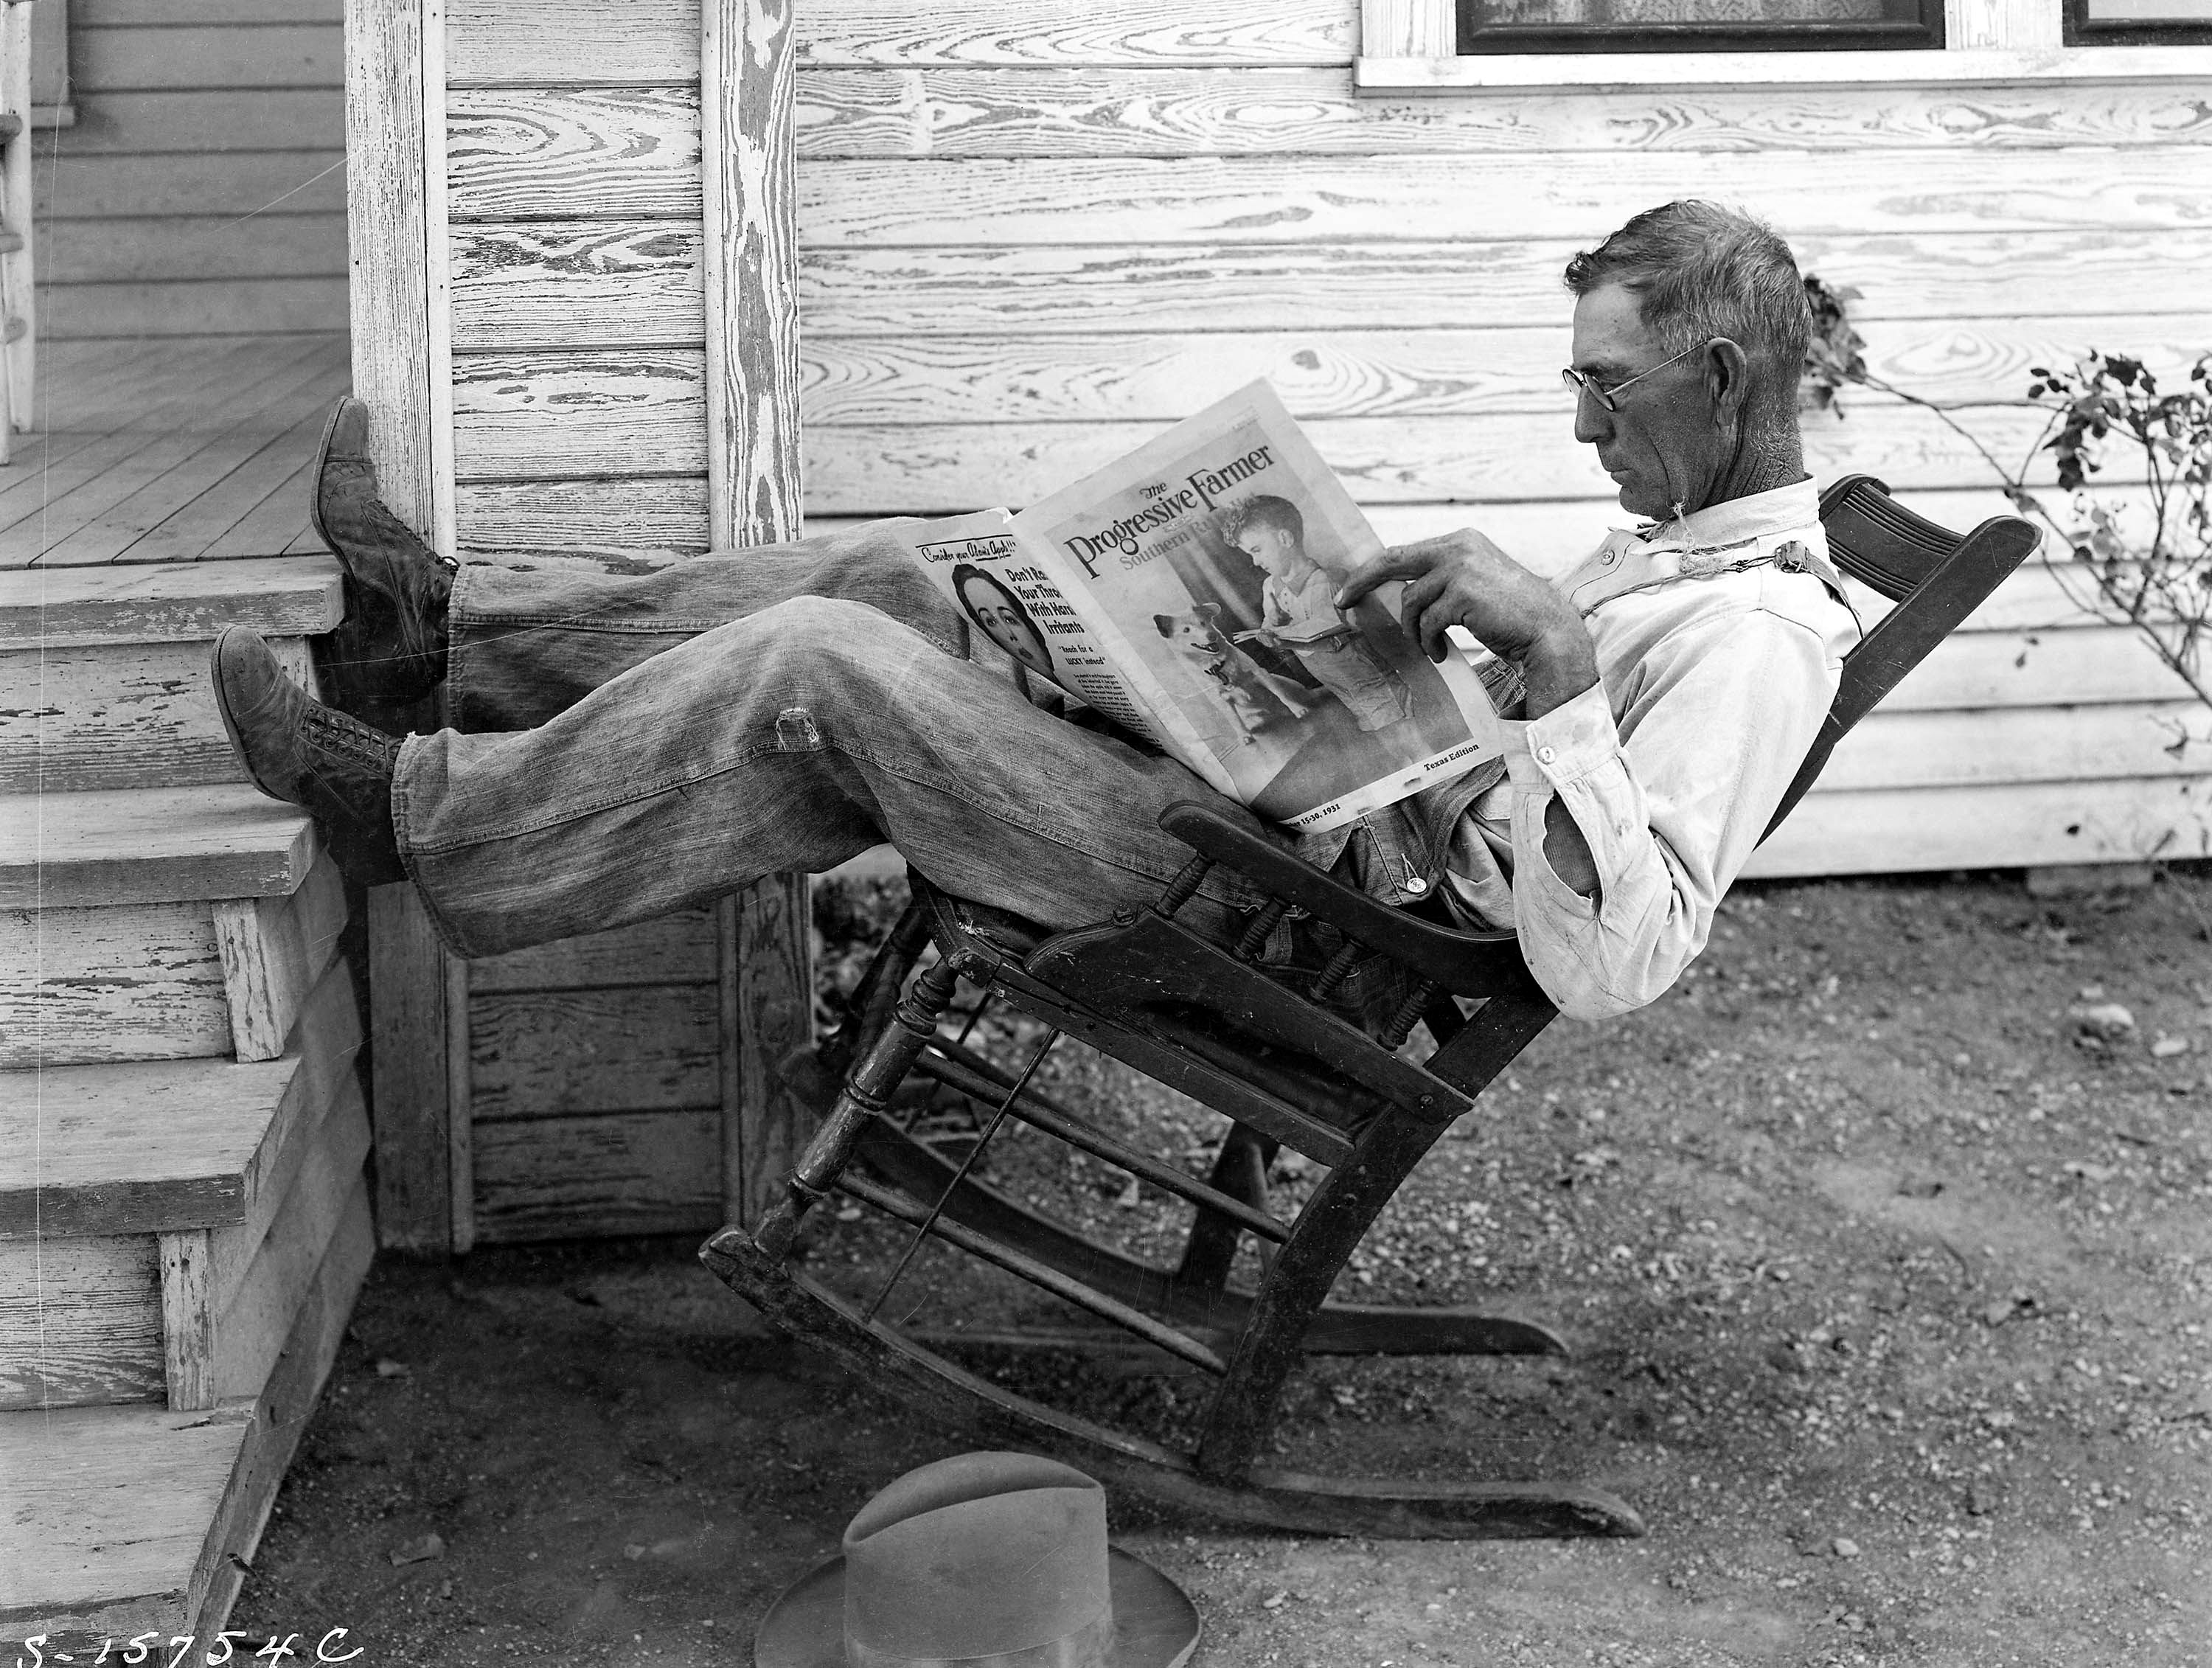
795,732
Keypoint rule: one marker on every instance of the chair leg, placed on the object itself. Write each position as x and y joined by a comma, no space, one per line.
867,1090
1335,1219
1240,1170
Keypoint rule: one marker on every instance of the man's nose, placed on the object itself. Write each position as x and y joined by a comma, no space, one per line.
1593,422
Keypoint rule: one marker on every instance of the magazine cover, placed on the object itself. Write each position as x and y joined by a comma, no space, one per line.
1213,555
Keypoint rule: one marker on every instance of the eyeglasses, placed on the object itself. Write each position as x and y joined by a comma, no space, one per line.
1583,384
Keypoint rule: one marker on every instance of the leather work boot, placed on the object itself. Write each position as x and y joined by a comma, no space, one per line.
390,651
297,750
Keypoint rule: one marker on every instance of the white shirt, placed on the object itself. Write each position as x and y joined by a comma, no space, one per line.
1711,691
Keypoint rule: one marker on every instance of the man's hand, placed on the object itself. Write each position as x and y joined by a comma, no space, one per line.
1462,579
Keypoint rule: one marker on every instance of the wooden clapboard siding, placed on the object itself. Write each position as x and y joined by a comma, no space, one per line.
1136,112
598,151
1294,199
1155,378
209,149
1239,284
541,1054
601,284
679,949
551,1179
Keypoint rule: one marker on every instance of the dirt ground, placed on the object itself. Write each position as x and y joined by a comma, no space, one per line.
1888,1287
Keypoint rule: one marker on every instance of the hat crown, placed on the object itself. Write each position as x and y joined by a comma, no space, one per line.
977,1556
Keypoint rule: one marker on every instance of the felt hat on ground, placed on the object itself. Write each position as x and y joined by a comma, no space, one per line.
984,1560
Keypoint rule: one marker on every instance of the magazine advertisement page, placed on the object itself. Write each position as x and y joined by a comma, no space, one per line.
978,562
1217,551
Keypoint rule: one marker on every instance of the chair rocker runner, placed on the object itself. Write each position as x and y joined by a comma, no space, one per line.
1257,1047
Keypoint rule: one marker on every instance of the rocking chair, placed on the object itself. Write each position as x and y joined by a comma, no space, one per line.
1261,1049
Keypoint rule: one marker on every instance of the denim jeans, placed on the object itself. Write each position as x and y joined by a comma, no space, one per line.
626,746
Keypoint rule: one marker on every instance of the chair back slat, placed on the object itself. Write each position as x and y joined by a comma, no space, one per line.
1937,579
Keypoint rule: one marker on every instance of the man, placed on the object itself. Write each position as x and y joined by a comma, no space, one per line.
626,746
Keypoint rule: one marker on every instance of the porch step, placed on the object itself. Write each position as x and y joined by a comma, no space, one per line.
103,670
158,925
122,1519
289,596
160,1222
153,845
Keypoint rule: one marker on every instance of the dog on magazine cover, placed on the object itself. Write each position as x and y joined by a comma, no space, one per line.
1255,697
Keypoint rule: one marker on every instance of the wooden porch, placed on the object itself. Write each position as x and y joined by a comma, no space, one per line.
182,449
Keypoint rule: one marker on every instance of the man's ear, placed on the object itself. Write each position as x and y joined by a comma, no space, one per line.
1727,379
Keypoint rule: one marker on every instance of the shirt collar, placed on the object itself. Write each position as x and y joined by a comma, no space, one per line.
1759,515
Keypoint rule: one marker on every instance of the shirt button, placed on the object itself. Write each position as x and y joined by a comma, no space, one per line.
1547,755
1415,885
1608,558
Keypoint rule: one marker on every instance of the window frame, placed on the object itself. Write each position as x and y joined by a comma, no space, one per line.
2082,30
1409,47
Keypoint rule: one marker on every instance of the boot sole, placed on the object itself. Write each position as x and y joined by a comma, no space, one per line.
230,723
315,482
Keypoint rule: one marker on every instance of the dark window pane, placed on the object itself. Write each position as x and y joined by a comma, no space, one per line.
1618,25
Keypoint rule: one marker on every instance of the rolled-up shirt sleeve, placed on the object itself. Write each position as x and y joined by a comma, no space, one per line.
1671,798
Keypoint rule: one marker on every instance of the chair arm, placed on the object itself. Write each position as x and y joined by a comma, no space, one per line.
1466,964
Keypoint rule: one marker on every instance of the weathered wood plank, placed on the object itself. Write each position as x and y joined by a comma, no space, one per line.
157,429
80,1322
1291,199
1237,283
123,60
219,515
106,1553
567,414
600,150
224,186
388,235
1219,32
204,119
767,1011
266,1293
1281,199
178,514
409,1043
286,1399
554,1178
539,43
1023,112
277,525
79,986
173,247
114,483
546,1054
135,716
1939,750
615,519
1356,373
75,607
153,1146
275,951
117,14
678,949
554,286
188,1313
149,846
522,42
879,470
1981,827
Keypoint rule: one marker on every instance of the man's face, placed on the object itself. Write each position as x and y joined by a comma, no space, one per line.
1662,447
1271,548
1004,625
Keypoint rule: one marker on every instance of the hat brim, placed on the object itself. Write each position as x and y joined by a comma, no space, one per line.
1155,1624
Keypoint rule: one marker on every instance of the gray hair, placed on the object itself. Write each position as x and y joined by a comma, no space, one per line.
1698,271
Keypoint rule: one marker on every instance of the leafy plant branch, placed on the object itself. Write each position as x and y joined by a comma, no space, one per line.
2150,562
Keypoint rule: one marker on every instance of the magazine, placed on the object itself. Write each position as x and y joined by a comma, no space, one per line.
1187,591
